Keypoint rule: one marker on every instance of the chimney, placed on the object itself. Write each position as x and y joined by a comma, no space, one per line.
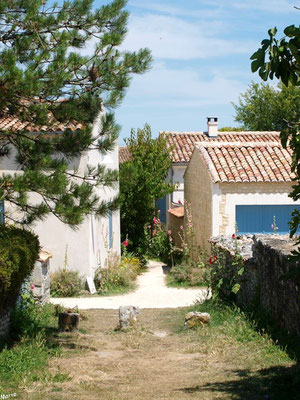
212,126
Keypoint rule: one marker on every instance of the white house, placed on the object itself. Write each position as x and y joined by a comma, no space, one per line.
241,185
182,145
87,247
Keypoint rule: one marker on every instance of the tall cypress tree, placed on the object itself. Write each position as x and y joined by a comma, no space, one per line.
60,64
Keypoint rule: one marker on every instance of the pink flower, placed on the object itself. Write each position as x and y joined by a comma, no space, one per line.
149,226
272,226
154,232
171,240
233,236
215,258
179,202
190,225
154,221
32,287
125,243
169,232
181,227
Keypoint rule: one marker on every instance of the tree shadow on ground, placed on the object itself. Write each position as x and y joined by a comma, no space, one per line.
275,383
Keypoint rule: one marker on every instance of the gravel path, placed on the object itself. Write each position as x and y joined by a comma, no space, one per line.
151,293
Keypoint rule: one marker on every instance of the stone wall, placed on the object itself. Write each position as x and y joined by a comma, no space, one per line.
262,283
4,322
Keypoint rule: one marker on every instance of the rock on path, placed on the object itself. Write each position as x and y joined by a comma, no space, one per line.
151,293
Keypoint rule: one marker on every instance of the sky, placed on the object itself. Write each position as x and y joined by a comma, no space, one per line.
201,51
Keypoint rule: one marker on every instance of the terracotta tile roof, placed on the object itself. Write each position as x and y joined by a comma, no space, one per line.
14,124
177,212
183,143
246,161
124,155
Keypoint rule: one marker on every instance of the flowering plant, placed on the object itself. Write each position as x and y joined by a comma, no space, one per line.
159,242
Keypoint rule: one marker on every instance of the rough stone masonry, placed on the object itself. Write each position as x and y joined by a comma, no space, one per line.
264,282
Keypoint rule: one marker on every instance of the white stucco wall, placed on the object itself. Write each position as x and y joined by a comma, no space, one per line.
88,245
178,173
227,196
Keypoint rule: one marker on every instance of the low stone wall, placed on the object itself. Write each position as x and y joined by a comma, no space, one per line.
4,322
262,283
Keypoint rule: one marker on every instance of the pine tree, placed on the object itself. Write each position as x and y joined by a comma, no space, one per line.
60,64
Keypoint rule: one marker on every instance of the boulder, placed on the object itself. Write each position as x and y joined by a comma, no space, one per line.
128,316
195,319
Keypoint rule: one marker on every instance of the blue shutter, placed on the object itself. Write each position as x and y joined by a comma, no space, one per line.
2,212
110,229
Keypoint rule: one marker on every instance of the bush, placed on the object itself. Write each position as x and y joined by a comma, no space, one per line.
159,242
120,273
65,283
189,273
19,251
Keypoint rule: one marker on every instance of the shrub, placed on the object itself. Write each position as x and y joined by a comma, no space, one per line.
159,242
19,250
121,272
65,283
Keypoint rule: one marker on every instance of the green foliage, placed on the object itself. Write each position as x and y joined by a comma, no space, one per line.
267,108
46,79
192,269
120,274
19,251
281,58
226,272
65,283
230,129
29,345
142,180
159,242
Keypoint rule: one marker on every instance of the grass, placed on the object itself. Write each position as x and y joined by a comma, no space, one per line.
233,358
117,290
171,282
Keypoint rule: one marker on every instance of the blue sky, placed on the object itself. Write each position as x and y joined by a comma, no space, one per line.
201,51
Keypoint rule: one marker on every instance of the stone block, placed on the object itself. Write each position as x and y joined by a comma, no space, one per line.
128,316
195,319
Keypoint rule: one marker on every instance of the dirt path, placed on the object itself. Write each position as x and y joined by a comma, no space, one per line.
152,362
151,293
158,360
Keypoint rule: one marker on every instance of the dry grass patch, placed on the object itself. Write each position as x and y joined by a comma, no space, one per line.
160,360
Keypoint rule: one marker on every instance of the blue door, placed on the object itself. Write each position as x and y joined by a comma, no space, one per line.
161,205
259,218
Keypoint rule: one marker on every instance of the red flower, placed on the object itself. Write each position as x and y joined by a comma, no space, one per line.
215,258
211,260
32,287
125,243
179,202
233,236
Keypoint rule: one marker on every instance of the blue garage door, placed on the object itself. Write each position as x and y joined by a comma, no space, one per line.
259,219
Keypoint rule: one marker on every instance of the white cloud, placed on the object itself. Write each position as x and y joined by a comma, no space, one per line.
183,88
173,38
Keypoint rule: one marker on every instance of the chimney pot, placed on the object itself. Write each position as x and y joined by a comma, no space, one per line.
212,126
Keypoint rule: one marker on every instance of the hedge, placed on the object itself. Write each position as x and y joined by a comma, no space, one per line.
19,250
